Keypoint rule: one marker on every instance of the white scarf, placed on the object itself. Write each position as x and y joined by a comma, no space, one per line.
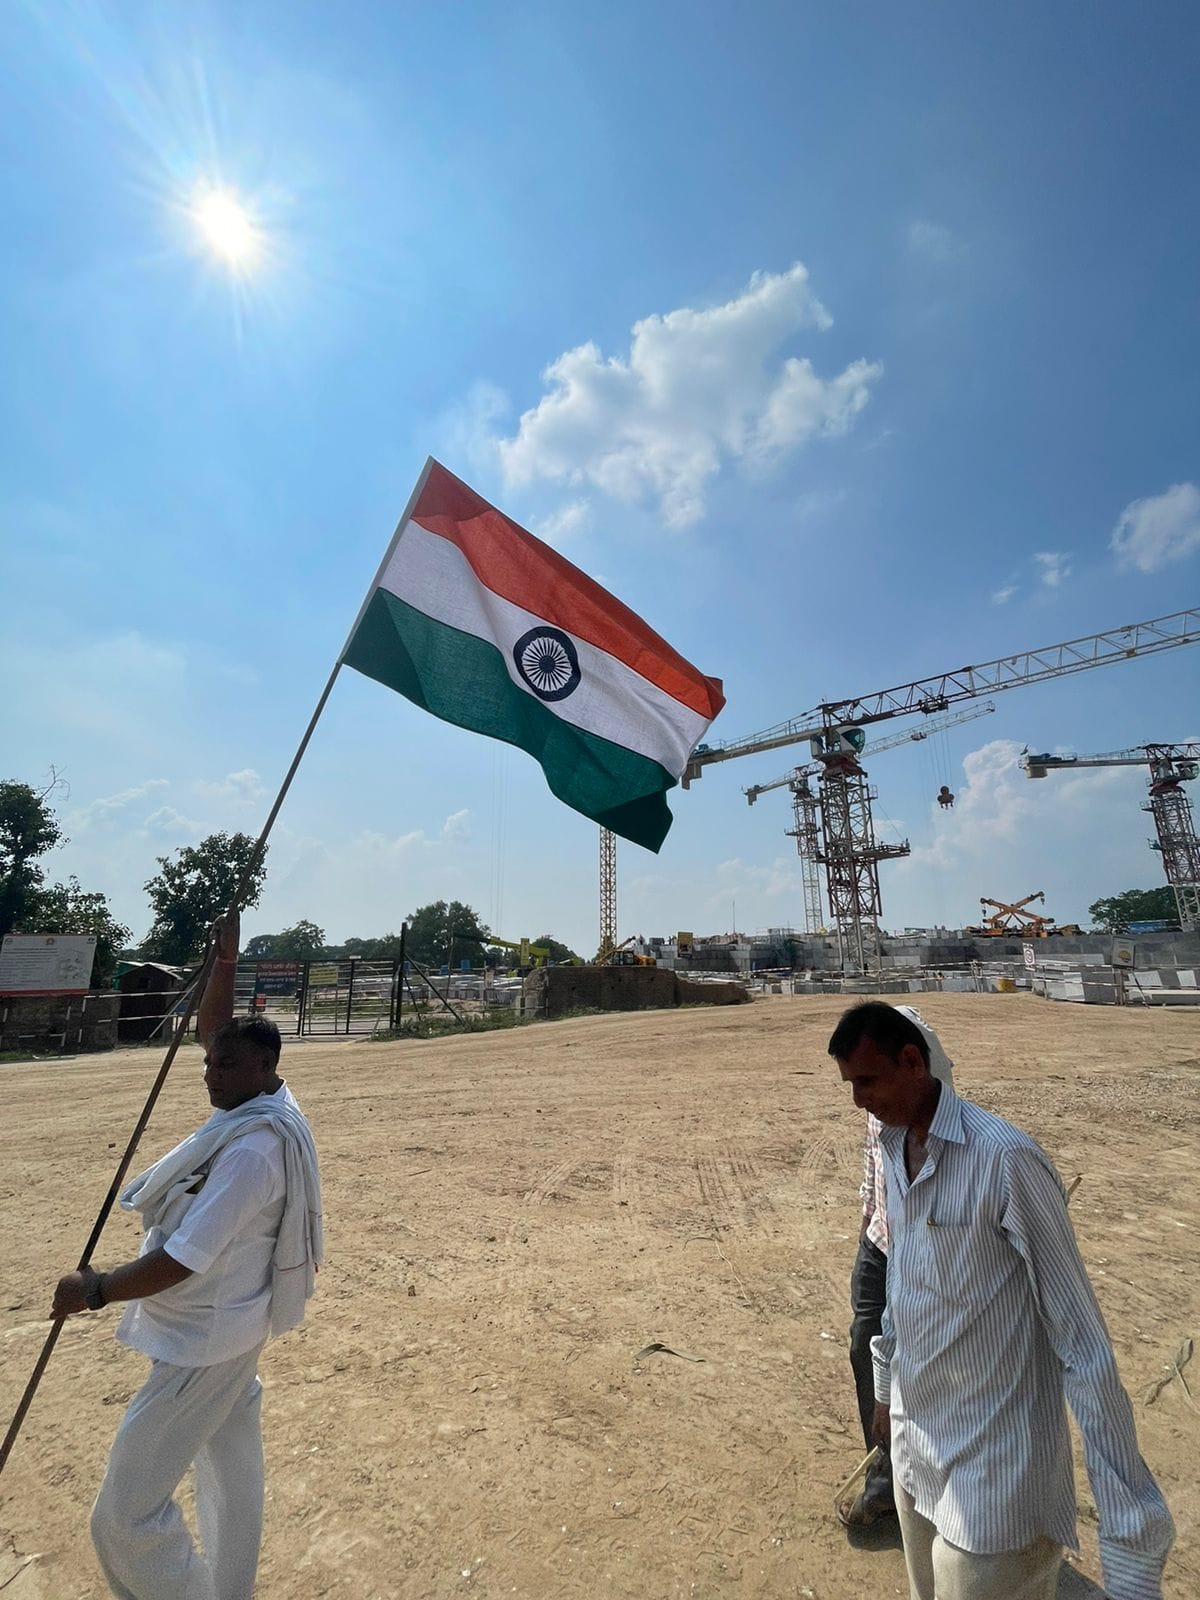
299,1248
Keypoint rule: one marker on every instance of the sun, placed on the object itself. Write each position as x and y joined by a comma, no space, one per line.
227,228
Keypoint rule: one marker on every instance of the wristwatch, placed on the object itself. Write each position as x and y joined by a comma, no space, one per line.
94,1298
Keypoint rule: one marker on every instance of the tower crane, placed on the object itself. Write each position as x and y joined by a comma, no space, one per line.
894,741
608,893
1170,766
850,853
806,803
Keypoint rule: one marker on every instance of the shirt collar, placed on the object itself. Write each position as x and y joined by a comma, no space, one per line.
947,1122
947,1119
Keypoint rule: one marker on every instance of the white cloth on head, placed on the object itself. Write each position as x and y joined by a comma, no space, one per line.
940,1064
213,1202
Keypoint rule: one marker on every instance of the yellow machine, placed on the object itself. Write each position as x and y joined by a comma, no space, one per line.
1009,921
528,955
618,956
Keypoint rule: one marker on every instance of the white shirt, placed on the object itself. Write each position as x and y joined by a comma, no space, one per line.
990,1319
226,1234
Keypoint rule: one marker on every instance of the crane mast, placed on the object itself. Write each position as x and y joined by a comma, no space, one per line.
835,727
1169,766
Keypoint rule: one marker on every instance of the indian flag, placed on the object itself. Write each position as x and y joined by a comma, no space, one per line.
480,623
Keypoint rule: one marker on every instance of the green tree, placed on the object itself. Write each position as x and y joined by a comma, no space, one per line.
193,889
432,928
27,830
304,942
66,908
1117,911
559,952
261,947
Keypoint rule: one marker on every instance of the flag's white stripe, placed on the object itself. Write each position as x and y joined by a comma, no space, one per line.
432,574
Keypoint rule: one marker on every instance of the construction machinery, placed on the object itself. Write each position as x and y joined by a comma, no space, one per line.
806,803
1012,919
1169,767
850,852
618,955
528,955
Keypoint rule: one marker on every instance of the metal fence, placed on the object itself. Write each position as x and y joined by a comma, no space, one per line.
320,997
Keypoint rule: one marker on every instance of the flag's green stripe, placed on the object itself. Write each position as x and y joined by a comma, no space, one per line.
463,679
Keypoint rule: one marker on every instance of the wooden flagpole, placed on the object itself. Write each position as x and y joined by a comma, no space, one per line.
201,980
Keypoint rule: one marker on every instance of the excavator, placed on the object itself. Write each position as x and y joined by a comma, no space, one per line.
619,956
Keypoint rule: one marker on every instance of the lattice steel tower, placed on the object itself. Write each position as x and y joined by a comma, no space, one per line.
608,893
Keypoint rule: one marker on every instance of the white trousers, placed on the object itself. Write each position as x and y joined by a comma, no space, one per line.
941,1571
209,1417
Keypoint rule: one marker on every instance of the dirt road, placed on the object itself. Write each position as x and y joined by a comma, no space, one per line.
511,1219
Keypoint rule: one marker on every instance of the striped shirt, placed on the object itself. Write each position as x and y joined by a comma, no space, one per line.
873,1190
990,1319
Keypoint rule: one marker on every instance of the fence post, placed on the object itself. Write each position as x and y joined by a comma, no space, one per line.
349,997
302,1000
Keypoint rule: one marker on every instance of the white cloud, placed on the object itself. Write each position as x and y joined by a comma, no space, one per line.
1152,533
739,878
932,240
1053,568
242,788
172,824
109,807
1001,596
567,523
999,813
454,829
465,434
696,388
818,504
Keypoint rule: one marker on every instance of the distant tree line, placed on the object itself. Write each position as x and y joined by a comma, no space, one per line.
443,933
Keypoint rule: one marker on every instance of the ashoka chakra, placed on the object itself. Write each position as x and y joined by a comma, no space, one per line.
548,662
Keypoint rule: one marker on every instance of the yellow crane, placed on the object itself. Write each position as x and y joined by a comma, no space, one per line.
528,955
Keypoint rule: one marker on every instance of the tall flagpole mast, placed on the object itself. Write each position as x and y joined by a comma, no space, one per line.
196,988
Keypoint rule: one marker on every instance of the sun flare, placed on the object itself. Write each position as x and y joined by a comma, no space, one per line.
227,228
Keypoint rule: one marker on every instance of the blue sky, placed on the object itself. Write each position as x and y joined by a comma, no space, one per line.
871,335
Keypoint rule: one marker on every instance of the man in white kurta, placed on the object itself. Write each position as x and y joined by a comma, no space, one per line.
232,1243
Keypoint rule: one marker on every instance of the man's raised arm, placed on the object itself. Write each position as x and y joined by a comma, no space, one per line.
216,1005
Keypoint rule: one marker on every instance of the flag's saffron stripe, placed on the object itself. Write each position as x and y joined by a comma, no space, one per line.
464,679
522,569
611,700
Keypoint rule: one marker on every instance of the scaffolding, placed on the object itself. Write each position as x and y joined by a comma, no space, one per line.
851,856
807,834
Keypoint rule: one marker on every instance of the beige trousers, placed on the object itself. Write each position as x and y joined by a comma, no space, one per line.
941,1571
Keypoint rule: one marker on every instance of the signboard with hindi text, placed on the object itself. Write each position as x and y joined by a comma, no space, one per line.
46,963
279,978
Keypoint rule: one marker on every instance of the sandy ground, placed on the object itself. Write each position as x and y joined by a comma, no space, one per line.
511,1219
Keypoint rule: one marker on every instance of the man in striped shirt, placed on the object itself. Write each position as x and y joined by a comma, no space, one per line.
990,1323
868,1295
